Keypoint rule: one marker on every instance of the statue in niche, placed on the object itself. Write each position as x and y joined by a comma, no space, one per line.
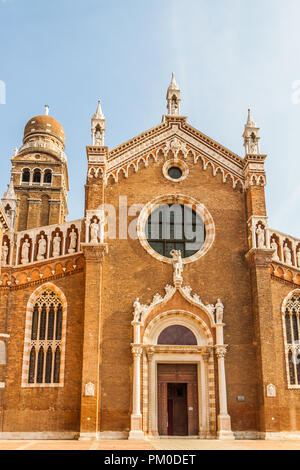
56,245
98,137
4,254
274,246
253,144
174,105
73,241
177,266
260,237
298,258
25,252
94,231
219,311
42,248
287,254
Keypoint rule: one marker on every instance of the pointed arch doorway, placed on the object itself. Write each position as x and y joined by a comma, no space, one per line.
193,342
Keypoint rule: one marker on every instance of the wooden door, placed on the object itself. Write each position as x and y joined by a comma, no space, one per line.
178,412
177,409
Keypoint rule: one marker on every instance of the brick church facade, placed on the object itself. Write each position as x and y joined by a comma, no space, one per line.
121,324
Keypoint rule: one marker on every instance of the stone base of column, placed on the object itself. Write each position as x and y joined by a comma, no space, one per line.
136,432
224,427
87,436
136,436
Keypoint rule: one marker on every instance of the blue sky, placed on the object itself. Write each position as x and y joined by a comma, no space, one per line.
226,55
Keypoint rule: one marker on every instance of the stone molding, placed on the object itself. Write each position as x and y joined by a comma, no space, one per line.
41,271
94,252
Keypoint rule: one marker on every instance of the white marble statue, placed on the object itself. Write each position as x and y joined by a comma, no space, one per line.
42,248
94,231
177,266
298,258
56,245
274,246
25,252
4,254
98,137
260,237
287,254
219,311
73,241
138,310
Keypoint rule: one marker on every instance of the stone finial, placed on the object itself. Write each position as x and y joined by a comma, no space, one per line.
46,110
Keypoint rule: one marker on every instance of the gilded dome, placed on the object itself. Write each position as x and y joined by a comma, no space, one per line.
46,125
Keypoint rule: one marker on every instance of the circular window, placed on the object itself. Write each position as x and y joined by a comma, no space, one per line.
175,227
175,222
174,172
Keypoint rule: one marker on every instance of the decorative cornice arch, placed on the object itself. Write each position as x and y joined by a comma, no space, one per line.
159,301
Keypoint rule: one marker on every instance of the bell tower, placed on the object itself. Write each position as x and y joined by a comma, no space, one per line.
39,174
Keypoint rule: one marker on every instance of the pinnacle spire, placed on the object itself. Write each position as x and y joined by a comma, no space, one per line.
173,98
173,85
9,202
99,114
98,127
251,136
10,193
46,110
250,120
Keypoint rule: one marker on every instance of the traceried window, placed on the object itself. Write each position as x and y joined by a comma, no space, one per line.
46,339
175,226
292,339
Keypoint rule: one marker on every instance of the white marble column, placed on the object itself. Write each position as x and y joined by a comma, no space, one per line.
224,422
136,431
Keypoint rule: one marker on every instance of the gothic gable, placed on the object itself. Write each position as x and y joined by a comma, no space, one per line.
174,138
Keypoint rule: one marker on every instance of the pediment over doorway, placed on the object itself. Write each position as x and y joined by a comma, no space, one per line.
178,298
